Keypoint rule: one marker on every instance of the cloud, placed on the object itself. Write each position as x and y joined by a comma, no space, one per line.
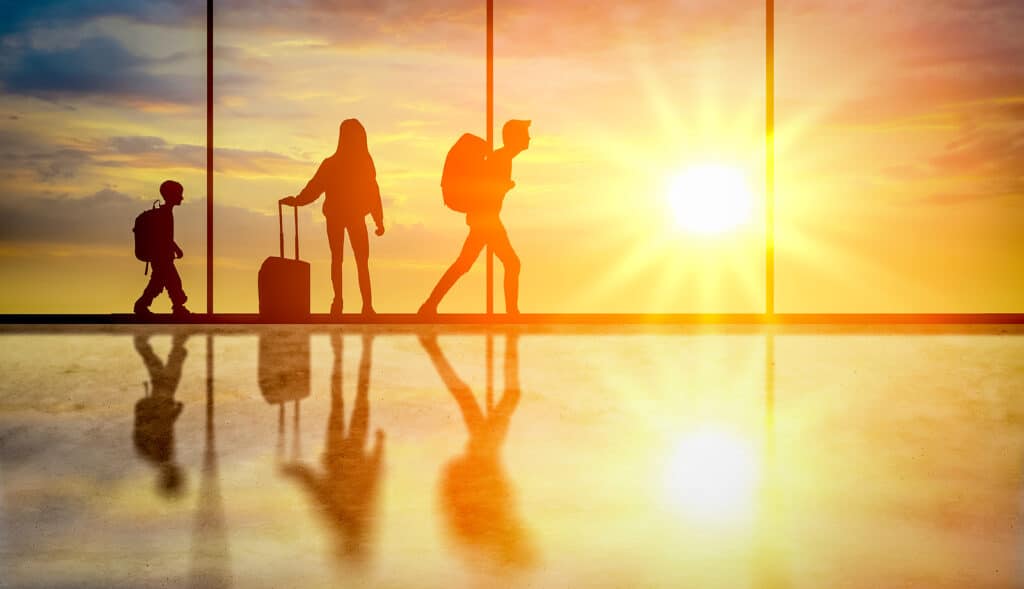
91,220
154,152
58,162
104,219
97,67
20,16
957,198
136,144
990,157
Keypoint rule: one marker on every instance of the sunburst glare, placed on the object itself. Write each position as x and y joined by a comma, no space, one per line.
710,198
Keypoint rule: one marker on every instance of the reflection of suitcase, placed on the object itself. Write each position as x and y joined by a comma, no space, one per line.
284,283
282,366
282,369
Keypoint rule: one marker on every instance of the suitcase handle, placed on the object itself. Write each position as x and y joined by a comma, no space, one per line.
280,225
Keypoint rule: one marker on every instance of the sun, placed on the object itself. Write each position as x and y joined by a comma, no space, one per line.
710,198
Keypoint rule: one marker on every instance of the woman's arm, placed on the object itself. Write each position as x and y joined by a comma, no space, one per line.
314,188
376,208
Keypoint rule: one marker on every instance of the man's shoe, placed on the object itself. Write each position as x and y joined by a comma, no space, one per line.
142,310
427,310
368,310
336,307
180,311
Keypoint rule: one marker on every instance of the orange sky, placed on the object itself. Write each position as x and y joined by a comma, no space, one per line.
900,148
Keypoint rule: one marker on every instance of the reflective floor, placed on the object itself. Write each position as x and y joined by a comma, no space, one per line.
419,457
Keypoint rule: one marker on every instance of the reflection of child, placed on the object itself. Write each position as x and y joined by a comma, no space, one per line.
156,413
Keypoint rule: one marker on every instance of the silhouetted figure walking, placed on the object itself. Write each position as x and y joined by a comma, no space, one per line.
154,243
156,413
476,495
346,492
349,180
485,226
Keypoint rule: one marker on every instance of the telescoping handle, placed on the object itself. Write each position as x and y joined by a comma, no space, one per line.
280,225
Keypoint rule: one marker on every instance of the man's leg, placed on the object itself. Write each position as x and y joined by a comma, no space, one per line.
361,252
502,413
472,415
470,251
502,248
336,239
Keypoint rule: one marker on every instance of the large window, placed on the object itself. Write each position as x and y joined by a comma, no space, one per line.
898,143
644,113
624,101
899,186
99,105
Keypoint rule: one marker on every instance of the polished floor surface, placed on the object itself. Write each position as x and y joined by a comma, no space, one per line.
311,456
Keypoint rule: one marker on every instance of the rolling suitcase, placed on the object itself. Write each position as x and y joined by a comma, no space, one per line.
283,282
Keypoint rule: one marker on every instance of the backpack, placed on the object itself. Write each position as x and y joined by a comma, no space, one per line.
145,233
463,178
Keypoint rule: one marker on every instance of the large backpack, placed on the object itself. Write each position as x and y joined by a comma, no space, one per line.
145,234
463,178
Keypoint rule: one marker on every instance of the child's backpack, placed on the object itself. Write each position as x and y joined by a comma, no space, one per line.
145,234
463,178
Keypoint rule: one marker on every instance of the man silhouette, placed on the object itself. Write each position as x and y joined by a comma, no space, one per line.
485,227
164,251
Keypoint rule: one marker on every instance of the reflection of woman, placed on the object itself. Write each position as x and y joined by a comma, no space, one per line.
349,180
476,495
346,491
156,413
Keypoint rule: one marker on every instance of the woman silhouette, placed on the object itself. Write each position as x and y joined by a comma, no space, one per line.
349,180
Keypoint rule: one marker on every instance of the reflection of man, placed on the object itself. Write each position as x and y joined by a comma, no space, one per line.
156,413
477,497
346,491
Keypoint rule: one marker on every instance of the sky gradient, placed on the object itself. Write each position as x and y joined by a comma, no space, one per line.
900,144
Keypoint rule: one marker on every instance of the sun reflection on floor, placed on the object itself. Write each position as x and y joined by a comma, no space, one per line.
712,475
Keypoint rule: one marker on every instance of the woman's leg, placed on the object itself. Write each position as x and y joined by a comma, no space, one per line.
336,239
361,252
